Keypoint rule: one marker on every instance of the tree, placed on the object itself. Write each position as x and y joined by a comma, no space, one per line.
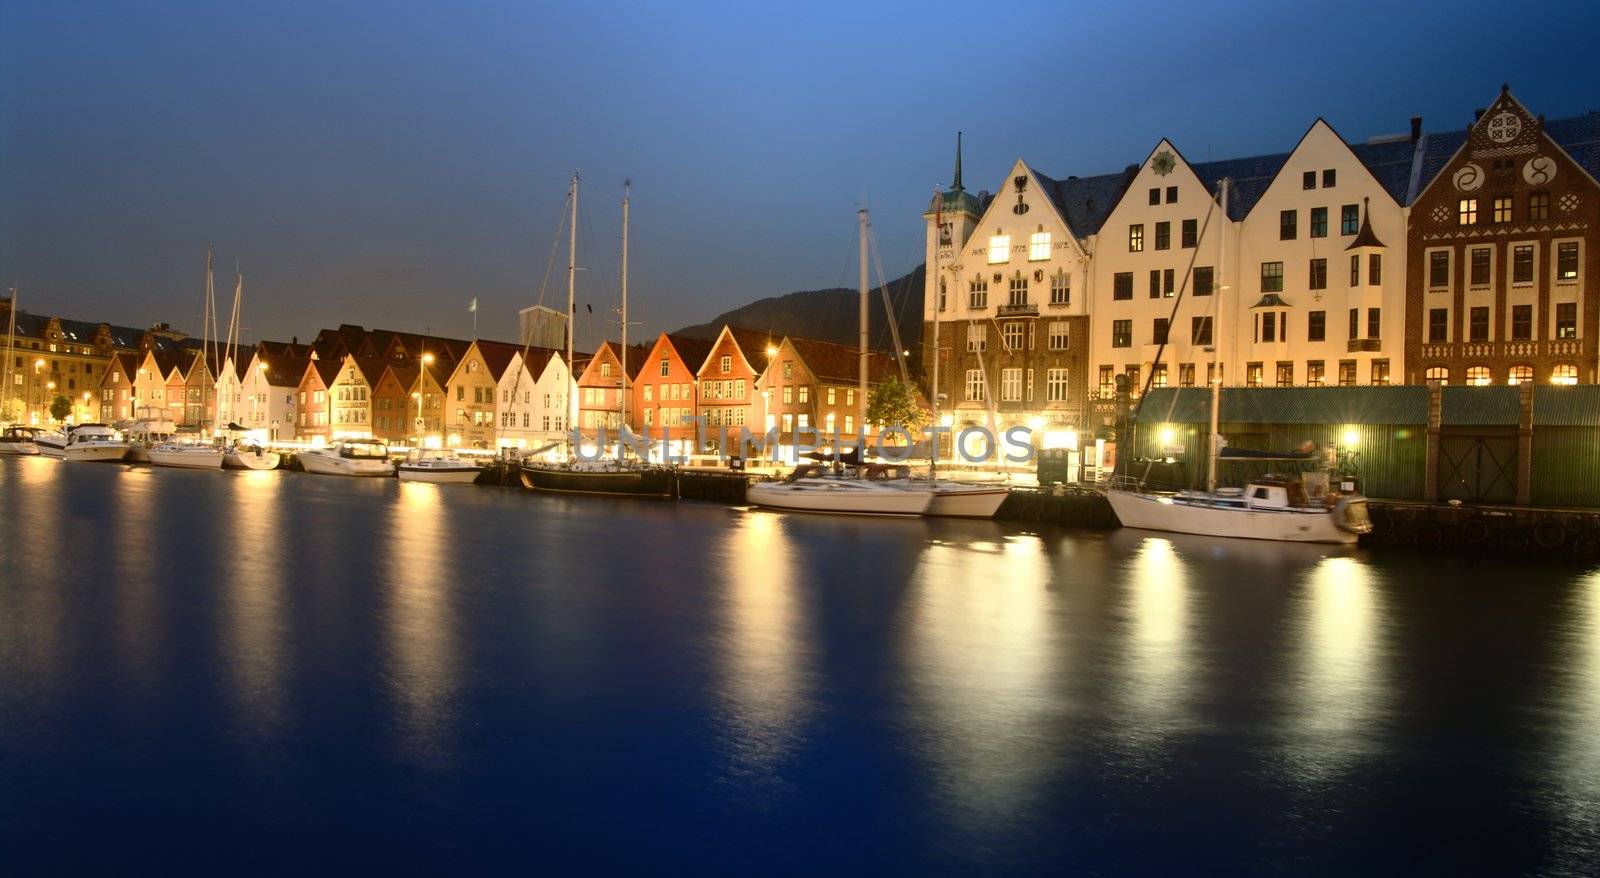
60,407
894,404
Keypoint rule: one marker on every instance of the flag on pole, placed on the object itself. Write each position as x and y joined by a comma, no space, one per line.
473,307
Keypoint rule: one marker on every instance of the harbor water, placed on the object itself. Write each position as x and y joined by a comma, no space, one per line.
259,672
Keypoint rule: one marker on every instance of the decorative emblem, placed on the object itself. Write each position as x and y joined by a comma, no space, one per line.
1568,202
998,277
1163,163
1441,214
1020,181
1539,170
1504,127
1469,178
1038,275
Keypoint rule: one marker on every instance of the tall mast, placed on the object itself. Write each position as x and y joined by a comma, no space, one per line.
938,279
861,403
1216,342
11,350
572,279
207,321
623,356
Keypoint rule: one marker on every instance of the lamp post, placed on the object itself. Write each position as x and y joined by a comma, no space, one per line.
422,439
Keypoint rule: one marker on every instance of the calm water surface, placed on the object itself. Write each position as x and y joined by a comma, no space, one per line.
252,672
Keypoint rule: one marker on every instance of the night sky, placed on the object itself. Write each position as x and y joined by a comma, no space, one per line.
383,163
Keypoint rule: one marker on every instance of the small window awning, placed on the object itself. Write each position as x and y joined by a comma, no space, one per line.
1271,300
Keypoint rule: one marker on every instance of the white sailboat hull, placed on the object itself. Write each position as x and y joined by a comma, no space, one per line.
1152,512
329,465
842,498
439,475
251,460
958,500
191,458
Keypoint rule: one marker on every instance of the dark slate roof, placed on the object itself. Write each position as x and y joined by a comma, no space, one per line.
842,363
126,337
1556,405
1479,406
286,371
1390,164
1085,202
1437,150
1249,178
691,351
1580,137
1399,404
497,356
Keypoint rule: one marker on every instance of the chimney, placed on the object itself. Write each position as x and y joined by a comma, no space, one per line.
1478,113
1416,128
294,339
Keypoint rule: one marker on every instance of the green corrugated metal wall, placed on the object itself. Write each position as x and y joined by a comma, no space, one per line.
1392,461
1566,466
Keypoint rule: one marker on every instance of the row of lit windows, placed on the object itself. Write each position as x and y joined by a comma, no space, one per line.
1501,209
668,391
1018,335
1014,387
1479,376
1316,375
1039,246
1478,323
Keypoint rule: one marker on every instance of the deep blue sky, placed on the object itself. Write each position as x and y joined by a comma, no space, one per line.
382,163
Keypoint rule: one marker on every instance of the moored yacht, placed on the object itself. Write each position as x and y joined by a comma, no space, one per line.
146,433
813,488
250,454
18,440
193,455
438,466
349,457
604,477
92,442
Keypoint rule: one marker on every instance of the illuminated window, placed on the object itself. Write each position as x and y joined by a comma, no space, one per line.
1107,382
1467,212
999,248
1564,375
605,370
1347,373
1285,374
1380,372
1058,335
1519,375
1252,375
725,364
832,395
1158,375
1567,320
1315,373
1567,260
1440,374
977,337
1185,374
1039,246
1478,376
1136,238
1502,214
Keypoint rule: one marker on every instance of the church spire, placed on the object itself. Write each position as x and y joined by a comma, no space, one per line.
955,186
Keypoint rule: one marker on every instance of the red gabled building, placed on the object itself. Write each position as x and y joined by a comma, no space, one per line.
665,388
728,395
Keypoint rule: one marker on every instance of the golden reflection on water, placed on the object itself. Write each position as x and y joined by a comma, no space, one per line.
765,681
137,533
419,621
981,654
1576,705
31,616
256,627
1157,668
1342,684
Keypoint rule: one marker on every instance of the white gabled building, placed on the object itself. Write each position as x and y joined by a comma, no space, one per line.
1166,222
532,408
1321,269
1005,281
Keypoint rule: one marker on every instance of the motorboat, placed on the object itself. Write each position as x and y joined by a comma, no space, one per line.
600,477
93,442
145,433
51,443
951,499
439,467
250,454
813,488
1267,508
349,457
193,455
18,440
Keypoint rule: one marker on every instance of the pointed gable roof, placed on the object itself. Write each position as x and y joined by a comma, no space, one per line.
692,352
404,374
496,356
751,345
840,364
1085,202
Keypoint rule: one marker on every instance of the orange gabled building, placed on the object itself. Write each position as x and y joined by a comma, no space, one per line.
314,405
664,388
600,387
728,392
395,412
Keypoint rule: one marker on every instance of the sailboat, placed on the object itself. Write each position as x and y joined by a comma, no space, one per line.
195,454
1272,507
617,477
849,485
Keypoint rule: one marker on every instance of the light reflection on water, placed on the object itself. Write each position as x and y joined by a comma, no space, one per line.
1575,781
418,619
256,622
1156,667
981,658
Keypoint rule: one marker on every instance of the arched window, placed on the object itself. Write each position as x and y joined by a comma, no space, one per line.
1440,374
1478,376
1519,375
1564,375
